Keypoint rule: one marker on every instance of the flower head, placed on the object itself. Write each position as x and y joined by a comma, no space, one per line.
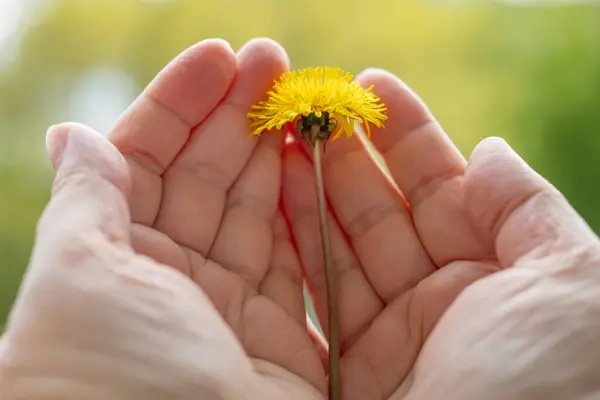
322,100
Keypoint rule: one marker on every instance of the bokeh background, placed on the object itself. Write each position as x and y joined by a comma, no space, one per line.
528,71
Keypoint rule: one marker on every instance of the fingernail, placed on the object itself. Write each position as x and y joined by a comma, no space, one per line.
56,142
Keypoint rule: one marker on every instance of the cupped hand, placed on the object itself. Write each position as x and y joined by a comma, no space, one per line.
526,324
162,267
170,272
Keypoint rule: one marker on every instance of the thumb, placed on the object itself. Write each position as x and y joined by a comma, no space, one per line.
86,216
94,319
89,195
516,209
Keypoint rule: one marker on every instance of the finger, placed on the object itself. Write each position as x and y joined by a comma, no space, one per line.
196,184
89,195
283,282
410,133
515,209
375,217
250,210
289,347
155,128
427,168
358,302
249,214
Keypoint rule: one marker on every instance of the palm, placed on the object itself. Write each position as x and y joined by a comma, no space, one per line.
402,255
208,205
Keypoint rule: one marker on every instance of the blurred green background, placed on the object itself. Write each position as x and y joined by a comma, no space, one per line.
527,72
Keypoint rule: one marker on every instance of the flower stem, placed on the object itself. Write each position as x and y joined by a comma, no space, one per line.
330,276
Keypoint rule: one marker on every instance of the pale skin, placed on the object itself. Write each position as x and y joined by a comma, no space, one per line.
164,267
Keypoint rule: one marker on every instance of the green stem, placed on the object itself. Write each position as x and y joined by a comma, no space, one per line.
330,276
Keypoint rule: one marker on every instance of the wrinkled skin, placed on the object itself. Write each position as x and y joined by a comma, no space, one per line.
170,265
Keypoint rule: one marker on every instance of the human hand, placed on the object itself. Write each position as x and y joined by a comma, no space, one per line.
168,339
490,231
101,316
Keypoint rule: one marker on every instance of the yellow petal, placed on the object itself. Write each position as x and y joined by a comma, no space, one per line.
318,90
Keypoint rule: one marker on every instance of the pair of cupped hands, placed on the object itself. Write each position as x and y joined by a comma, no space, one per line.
170,261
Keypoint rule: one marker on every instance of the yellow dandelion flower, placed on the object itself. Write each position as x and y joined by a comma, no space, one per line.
320,102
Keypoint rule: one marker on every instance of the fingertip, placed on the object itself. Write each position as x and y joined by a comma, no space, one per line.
374,75
81,148
259,63
492,144
217,50
188,89
497,182
218,43
58,137
212,55
386,85
56,142
267,49
405,110
493,156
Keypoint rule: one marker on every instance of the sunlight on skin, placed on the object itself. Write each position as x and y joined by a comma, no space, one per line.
178,308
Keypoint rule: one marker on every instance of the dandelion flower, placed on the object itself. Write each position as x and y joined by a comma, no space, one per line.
320,102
